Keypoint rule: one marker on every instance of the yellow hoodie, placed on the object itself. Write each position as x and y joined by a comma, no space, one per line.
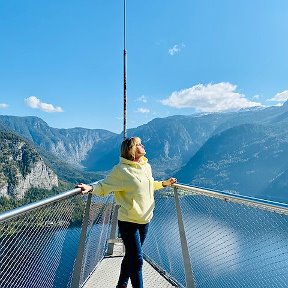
133,186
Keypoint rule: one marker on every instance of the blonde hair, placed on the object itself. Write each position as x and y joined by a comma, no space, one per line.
128,148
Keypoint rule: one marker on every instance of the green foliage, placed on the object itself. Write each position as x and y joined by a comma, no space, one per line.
78,211
7,204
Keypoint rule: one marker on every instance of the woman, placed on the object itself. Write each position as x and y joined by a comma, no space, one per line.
133,186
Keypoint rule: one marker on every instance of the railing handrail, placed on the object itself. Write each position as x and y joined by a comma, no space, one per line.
246,200
226,196
42,203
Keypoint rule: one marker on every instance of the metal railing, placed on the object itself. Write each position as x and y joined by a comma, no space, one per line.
48,243
228,240
197,238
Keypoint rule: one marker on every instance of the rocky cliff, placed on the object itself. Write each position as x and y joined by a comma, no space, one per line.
22,168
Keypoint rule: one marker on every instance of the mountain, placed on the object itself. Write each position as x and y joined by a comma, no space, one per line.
242,152
22,168
68,145
277,188
248,159
169,142
57,148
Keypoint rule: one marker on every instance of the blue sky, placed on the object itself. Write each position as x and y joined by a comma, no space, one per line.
63,60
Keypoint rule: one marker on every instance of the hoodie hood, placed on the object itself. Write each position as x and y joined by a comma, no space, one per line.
143,161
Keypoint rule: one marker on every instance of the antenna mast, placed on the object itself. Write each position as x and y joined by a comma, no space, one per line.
124,78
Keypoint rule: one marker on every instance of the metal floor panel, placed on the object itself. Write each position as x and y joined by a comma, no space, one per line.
106,275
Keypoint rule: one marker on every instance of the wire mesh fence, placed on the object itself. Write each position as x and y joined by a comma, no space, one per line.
38,248
231,242
162,246
100,215
235,245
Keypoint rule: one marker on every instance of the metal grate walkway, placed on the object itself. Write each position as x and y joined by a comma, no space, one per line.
107,272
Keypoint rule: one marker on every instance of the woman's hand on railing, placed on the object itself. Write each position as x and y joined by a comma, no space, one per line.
169,182
84,188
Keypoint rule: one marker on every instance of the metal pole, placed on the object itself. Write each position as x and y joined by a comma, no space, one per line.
113,231
124,80
185,251
80,253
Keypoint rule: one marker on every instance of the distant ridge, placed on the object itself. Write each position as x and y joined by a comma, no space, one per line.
70,145
241,152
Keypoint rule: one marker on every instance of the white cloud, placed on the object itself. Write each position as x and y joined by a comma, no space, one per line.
210,98
3,105
142,110
142,99
280,97
36,103
176,49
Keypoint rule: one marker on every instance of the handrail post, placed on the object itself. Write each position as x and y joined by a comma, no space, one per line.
184,246
80,253
113,230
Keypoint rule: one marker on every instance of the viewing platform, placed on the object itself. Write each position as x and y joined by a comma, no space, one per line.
106,274
197,238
